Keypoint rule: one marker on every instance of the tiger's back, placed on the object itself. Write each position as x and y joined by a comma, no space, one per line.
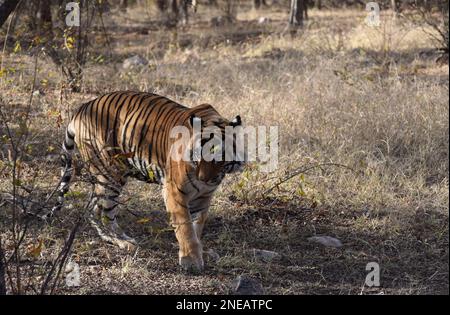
129,127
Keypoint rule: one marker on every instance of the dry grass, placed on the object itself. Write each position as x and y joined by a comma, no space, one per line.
372,99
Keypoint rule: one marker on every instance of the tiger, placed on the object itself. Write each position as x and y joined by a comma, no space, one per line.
127,134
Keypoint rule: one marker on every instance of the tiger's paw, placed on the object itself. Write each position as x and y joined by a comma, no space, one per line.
192,264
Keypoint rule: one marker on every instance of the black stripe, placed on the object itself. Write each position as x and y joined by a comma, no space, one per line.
109,209
179,203
165,132
97,153
198,210
108,110
150,146
143,116
68,146
128,117
164,109
192,182
138,116
160,106
116,117
162,130
181,191
96,108
147,126
108,104
158,173
69,135
66,178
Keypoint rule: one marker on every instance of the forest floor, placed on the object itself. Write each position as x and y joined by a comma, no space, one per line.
372,99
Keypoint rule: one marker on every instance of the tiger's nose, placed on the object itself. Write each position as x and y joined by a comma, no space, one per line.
203,176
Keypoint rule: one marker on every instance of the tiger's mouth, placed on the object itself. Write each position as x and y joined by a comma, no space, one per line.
234,167
215,181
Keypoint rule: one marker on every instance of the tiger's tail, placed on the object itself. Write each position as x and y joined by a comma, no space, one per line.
67,169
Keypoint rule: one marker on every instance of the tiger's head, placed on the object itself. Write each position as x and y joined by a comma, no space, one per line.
215,149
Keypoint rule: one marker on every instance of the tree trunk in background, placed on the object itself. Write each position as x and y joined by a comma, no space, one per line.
305,8
421,3
162,5
45,18
6,8
394,6
178,9
296,13
258,3
174,7
124,4
184,11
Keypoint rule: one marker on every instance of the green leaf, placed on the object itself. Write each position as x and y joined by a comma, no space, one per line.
151,174
17,48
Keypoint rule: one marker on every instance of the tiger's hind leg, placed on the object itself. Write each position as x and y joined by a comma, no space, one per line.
104,216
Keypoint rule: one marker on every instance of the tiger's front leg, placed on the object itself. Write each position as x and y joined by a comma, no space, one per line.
190,252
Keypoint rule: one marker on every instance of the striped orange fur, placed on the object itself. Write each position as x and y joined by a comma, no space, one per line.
127,134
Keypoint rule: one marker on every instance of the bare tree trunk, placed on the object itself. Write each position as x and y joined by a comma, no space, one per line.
296,13
6,8
174,8
229,7
425,4
305,9
184,11
258,3
177,9
45,19
394,6
162,5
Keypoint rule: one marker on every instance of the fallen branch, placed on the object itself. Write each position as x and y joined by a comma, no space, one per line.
302,171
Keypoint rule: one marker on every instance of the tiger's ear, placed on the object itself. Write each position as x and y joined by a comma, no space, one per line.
195,121
236,121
